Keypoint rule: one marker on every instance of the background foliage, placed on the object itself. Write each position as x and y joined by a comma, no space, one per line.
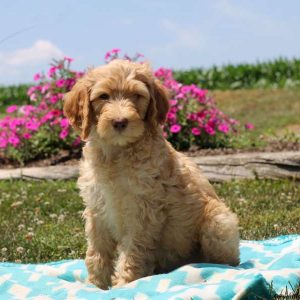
279,73
39,129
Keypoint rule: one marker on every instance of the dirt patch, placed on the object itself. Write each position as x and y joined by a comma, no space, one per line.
293,129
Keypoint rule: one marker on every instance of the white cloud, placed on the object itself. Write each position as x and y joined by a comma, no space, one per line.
183,37
21,64
40,51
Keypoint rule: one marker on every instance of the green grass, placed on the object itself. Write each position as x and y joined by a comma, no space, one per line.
13,94
266,208
44,217
51,210
274,113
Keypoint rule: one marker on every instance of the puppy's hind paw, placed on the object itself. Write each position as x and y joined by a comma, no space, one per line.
118,281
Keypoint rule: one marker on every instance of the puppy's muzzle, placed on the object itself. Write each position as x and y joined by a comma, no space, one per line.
120,124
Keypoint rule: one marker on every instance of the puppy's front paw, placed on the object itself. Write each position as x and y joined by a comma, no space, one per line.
99,283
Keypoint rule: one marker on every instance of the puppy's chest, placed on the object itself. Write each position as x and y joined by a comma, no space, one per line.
126,190
130,178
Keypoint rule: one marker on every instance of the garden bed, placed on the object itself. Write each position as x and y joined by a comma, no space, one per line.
195,121
61,158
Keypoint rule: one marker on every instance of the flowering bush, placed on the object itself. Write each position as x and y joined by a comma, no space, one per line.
193,117
39,130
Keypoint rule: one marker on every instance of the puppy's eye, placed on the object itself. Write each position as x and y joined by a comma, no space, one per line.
104,96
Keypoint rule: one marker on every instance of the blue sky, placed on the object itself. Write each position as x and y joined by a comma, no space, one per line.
176,34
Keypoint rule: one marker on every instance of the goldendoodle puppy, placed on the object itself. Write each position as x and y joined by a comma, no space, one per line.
148,208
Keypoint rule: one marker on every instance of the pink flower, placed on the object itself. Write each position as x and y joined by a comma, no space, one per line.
179,96
171,116
192,117
173,102
68,59
27,135
52,71
53,99
15,123
112,54
249,126
56,112
196,131
78,74
233,122
60,96
223,128
63,134
31,125
37,77
54,122
4,123
173,109
107,56
64,123
47,117
115,51
76,142
209,130
69,83
140,54
27,109
33,97
11,109
60,83
3,142
45,88
31,90
175,128
43,106
185,89
14,140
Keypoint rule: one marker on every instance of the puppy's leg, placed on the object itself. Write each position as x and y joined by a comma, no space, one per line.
218,234
135,261
138,249
100,252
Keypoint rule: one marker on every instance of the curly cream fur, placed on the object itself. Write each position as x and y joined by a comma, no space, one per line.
148,208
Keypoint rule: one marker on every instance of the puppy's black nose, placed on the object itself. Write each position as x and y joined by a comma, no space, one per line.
120,124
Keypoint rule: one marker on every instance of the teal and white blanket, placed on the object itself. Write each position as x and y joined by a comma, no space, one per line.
267,267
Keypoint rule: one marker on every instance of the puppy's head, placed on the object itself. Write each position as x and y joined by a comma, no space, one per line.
121,100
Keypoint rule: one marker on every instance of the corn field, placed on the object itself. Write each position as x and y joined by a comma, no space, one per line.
279,73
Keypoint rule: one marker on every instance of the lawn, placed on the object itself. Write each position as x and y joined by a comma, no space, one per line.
41,220
274,113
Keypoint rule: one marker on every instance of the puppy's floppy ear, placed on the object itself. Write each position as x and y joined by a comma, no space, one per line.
77,109
159,103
